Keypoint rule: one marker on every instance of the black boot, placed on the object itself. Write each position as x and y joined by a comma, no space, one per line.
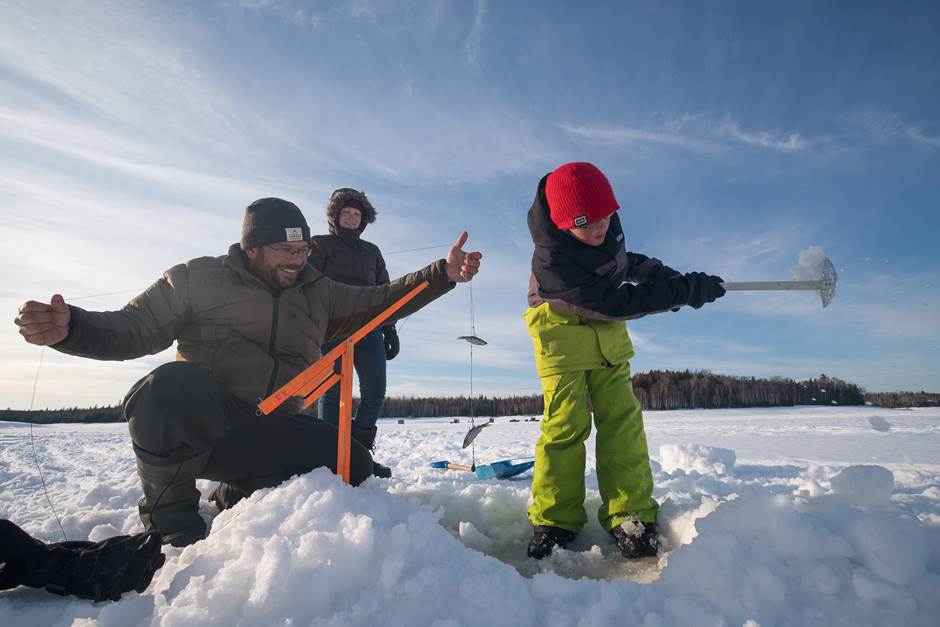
227,494
636,539
546,538
89,570
366,437
170,503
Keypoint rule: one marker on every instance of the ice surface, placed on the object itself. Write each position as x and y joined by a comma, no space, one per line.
770,517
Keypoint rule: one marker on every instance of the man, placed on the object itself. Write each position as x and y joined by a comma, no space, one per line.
245,323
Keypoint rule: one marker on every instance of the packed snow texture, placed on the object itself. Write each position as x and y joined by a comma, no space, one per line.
801,516
810,266
695,458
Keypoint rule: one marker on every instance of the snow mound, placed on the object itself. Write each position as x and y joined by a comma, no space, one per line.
879,424
696,457
868,486
317,551
894,548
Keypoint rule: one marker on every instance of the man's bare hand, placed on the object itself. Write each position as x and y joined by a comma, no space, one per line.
44,324
462,266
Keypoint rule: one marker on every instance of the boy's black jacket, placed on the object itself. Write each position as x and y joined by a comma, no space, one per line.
596,281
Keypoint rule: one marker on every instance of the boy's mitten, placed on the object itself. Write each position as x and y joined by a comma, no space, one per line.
88,570
704,288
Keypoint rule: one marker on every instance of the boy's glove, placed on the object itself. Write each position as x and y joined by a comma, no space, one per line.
88,570
392,345
704,288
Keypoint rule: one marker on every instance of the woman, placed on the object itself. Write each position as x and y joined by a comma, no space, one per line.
345,257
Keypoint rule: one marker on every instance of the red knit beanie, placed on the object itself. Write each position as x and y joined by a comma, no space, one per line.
578,194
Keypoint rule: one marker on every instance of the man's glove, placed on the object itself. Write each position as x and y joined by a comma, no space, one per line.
703,288
392,346
88,570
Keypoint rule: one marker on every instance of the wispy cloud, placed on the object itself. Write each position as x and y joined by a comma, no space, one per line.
475,38
881,127
788,142
698,134
626,135
920,137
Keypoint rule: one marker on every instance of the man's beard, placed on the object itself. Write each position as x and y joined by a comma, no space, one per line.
268,273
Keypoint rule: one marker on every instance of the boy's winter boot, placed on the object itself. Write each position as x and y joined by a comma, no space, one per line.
366,437
170,503
636,539
546,538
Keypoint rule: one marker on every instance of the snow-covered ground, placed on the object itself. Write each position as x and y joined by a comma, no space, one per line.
803,516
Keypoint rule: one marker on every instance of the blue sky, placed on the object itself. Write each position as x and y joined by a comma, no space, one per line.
735,134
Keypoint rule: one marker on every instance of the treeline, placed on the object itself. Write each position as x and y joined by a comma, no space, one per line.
71,414
664,389
419,407
657,390
903,399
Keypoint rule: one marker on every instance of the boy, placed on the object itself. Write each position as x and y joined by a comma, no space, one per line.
579,298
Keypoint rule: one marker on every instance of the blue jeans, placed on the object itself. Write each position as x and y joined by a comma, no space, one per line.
369,361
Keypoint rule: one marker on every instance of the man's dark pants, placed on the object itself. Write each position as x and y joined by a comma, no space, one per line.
184,425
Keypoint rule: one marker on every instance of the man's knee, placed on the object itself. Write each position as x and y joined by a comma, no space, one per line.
177,409
167,388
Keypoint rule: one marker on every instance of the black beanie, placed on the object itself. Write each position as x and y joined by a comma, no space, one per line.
272,220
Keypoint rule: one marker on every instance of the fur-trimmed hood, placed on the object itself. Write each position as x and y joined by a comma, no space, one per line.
338,200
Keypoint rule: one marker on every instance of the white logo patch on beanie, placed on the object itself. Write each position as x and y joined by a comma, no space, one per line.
580,221
294,234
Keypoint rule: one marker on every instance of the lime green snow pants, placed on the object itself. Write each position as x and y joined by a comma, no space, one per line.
623,468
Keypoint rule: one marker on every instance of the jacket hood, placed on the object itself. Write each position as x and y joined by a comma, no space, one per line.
338,200
596,280
549,240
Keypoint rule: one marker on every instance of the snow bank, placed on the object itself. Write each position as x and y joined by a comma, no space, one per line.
869,486
696,457
317,551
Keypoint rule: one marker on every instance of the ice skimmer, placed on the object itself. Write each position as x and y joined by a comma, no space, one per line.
503,469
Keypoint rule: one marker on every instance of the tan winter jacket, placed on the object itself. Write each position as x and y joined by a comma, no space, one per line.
252,340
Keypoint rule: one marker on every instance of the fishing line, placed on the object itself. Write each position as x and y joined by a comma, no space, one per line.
411,250
32,443
32,439
104,294
473,332
403,322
